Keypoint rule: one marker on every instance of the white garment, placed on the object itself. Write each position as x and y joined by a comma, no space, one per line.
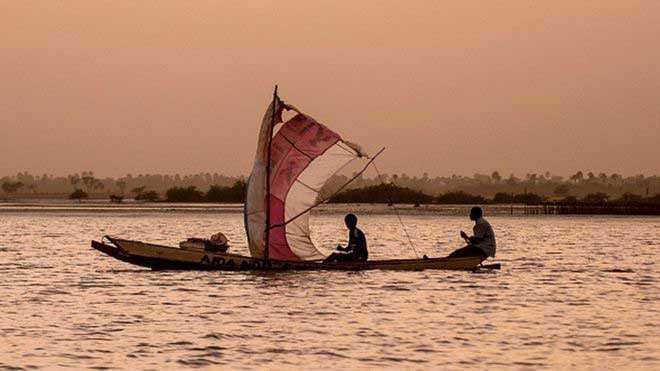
484,231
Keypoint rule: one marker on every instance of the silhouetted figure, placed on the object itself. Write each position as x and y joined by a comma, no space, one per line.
482,243
356,251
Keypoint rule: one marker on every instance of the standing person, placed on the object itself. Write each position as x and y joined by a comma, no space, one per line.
356,251
482,243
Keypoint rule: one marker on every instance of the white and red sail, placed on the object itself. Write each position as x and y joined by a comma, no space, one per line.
304,156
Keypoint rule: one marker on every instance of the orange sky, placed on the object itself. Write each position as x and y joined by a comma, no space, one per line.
447,86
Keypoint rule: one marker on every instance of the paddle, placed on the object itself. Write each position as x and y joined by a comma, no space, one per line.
465,237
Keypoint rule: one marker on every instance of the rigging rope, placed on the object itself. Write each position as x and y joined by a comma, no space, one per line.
396,211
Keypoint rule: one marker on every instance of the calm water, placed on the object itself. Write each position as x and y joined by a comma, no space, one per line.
573,292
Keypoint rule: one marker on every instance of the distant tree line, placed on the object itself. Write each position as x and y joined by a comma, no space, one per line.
548,186
392,194
10,187
216,193
221,194
47,185
495,187
382,193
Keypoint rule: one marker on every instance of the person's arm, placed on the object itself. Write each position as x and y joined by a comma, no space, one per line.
475,240
361,242
479,233
470,240
351,242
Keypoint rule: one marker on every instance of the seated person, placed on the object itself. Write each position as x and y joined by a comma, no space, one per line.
356,251
482,243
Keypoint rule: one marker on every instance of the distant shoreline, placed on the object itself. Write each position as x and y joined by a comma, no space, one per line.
102,206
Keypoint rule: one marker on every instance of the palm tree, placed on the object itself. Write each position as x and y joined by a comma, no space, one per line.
577,177
90,182
496,176
531,178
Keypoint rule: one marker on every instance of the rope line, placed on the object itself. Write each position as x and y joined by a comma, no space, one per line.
396,211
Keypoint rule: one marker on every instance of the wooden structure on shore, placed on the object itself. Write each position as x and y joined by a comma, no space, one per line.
560,208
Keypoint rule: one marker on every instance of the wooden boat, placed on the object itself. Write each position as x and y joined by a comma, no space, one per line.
290,169
159,257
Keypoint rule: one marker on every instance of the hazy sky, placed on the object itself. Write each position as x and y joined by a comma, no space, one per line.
447,86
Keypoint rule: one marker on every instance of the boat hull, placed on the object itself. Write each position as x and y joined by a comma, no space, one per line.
160,257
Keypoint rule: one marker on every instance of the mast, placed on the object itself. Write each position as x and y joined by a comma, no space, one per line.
268,161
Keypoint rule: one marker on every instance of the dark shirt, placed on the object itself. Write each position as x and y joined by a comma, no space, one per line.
357,244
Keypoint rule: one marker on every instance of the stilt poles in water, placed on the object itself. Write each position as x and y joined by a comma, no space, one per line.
559,208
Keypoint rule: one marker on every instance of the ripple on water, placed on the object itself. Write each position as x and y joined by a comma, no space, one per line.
552,305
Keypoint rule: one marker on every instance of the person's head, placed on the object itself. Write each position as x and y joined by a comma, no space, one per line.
350,220
476,213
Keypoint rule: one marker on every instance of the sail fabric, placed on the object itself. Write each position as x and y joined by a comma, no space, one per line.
254,207
305,154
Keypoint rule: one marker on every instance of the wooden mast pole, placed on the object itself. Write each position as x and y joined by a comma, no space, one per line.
268,161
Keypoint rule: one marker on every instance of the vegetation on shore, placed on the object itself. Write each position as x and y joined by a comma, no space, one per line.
78,194
389,193
216,193
480,188
382,193
10,187
142,194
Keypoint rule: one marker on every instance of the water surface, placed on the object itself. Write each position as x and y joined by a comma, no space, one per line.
574,292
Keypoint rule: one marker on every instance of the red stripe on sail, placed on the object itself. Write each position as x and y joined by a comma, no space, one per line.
298,142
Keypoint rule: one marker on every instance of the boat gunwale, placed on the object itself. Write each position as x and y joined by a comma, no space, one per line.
297,262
